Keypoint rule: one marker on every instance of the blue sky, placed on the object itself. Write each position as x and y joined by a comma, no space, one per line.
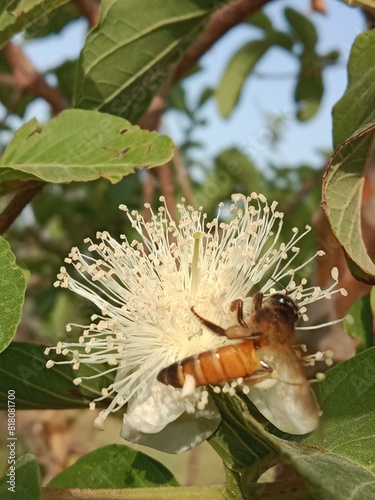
247,126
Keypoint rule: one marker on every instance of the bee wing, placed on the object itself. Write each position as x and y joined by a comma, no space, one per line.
286,398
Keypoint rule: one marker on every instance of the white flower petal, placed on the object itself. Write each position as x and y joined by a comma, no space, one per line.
161,422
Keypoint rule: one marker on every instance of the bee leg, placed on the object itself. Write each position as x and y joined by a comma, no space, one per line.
257,301
214,328
237,305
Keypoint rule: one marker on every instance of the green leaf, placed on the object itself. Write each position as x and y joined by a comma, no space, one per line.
303,28
23,369
81,146
361,328
12,293
206,94
240,67
309,89
347,398
354,126
329,476
127,56
355,111
26,479
22,14
53,22
338,457
239,440
177,99
241,169
114,466
66,74
261,20
365,4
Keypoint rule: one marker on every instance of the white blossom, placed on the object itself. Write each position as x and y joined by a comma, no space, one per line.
145,289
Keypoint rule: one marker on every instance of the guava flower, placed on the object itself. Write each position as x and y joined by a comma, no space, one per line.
145,289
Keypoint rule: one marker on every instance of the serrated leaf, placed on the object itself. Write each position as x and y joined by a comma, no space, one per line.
12,293
114,466
23,369
303,28
22,14
361,326
83,145
127,56
26,480
354,126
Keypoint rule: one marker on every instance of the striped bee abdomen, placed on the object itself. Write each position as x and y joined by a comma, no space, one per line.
211,367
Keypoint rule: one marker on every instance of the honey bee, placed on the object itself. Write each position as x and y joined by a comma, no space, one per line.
265,360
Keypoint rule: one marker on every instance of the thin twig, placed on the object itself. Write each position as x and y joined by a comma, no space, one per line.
27,78
18,203
166,185
183,177
220,22
318,6
89,9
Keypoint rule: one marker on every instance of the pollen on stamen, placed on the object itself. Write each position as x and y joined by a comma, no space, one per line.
50,363
77,381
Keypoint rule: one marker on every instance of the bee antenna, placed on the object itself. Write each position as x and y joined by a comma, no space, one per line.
278,282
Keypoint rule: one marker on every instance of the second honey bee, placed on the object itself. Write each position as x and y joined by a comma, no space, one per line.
264,360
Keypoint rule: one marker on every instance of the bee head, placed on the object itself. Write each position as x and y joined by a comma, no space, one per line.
284,306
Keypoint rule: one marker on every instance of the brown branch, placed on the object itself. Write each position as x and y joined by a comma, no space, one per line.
318,6
183,177
148,192
166,185
27,78
18,203
220,23
89,9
